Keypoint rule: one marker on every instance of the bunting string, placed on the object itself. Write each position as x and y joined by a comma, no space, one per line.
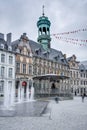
73,41
71,32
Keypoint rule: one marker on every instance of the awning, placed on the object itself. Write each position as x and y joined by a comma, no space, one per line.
51,77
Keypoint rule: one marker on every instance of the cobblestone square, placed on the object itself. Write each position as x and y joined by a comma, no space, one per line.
65,115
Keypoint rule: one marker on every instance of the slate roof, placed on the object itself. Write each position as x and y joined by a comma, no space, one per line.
83,67
51,54
6,46
69,58
2,41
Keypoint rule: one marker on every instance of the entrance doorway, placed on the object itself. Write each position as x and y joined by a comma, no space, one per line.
53,88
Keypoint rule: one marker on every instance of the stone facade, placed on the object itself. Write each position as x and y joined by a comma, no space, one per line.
78,76
7,73
32,60
83,79
74,74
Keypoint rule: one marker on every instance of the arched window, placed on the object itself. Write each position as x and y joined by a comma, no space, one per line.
44,30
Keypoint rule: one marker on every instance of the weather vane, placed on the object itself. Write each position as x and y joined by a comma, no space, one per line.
43,10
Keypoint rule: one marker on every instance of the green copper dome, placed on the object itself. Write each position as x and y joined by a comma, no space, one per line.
43,20
43,25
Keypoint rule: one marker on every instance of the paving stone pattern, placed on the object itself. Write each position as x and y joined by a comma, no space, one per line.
65,115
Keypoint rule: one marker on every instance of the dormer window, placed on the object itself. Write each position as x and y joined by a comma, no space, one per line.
2,46
46,54
38,51
56,57
9,48
18,51
62,60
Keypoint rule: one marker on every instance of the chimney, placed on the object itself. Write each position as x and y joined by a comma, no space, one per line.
9,36
1,36
65,56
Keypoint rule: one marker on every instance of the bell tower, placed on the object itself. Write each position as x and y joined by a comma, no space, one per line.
43,25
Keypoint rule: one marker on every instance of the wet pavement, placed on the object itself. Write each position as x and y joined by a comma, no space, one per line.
35,108
65,115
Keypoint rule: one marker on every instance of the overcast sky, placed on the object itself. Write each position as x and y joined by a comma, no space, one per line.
19,16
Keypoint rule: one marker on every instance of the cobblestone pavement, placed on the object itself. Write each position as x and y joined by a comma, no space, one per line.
66,115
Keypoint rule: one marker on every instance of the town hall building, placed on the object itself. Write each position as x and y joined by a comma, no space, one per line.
39,64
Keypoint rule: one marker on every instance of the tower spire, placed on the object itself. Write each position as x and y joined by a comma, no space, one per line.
43,25
43,10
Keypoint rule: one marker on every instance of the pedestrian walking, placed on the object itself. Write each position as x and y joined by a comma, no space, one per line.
83,97
56,99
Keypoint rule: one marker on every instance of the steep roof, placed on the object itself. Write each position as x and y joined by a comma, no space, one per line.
2,41
38,50
83,65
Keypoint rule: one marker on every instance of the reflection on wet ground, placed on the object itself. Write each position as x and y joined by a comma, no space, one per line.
35,108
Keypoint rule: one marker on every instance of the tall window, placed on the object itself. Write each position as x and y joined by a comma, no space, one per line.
24,68
17,67
30,69
3,58
10,59
1,86
71,73
10,72
77,74
2,71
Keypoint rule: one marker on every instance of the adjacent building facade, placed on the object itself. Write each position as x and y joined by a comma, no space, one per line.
78,76
83,79
74,74
7,72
